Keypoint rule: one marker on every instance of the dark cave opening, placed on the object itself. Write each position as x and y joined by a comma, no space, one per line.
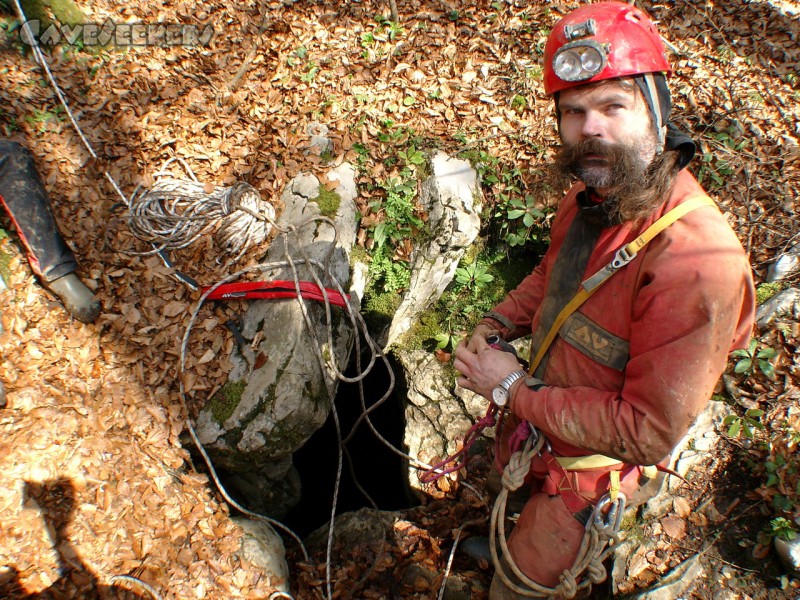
377,468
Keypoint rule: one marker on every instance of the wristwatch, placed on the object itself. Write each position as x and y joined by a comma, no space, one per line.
500,392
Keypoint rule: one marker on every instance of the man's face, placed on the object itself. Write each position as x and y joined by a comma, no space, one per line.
607,132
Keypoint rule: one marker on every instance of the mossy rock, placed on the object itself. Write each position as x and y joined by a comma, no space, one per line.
65,12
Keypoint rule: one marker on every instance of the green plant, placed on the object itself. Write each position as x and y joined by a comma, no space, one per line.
715,169
781,528
751,357
473,277
398,222
744,425
411,156
397,208
446,340
39,118
297,56
519,103
388,275
522,216
311,71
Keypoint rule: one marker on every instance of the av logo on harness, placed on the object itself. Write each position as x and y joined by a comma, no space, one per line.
595,342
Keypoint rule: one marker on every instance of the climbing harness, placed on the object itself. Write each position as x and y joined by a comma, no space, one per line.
602,528
601,534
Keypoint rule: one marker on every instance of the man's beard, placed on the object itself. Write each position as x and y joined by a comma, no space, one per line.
633,186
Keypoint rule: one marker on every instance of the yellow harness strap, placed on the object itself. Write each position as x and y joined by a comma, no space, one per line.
587,463
623,256
600,461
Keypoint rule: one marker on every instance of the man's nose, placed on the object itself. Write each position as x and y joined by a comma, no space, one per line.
594,125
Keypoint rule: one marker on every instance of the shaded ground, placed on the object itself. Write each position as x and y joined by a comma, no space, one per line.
94,409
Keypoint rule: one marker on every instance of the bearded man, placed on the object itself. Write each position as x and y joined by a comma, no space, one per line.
642,294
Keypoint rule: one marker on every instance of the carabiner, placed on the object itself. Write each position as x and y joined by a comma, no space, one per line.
610,523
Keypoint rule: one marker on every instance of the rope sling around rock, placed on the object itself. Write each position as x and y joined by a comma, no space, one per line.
602,531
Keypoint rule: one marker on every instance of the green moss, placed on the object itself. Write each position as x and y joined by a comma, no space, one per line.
5,258
765,291
632,527
379,309
422,333
64,11
226,400
359,254
328,202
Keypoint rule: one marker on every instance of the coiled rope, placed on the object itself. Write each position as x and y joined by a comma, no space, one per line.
174,213
599,539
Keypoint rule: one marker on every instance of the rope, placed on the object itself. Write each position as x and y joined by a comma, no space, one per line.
137,582
237,234
598,541
175,213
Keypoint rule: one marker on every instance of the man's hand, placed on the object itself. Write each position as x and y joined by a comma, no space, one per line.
481,332
484,367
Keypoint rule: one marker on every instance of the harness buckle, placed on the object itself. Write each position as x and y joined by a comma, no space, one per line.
622,258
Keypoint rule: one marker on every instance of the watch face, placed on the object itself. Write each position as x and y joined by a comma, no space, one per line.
499,396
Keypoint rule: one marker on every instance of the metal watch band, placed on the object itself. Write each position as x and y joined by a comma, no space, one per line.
509,379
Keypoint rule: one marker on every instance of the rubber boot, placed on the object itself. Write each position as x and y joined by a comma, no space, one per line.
76,297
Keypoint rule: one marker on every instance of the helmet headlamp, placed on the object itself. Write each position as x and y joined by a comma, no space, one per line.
579,60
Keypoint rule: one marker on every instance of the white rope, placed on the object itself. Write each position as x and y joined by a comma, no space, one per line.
174,213
137,582
449,563
598,541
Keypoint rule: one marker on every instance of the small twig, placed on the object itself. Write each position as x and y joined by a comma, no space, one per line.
251,54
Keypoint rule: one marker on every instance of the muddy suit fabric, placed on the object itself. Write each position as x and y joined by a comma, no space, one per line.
24,197
633,367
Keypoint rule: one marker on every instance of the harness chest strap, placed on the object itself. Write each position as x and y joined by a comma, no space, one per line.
622,257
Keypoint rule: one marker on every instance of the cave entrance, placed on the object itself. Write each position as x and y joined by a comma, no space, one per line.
381,472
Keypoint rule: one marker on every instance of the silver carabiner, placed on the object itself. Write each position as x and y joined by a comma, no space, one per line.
535,436
610,523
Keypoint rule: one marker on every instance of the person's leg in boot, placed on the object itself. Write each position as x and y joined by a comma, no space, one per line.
25,199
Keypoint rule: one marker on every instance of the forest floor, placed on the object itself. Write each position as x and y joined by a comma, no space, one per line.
94,481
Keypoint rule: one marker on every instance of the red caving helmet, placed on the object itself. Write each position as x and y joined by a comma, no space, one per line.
601,41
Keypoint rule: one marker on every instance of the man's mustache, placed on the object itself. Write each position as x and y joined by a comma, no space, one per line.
580,150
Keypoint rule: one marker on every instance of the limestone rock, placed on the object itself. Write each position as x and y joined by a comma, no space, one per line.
785,302
437,417
262,546
277,393
452,198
